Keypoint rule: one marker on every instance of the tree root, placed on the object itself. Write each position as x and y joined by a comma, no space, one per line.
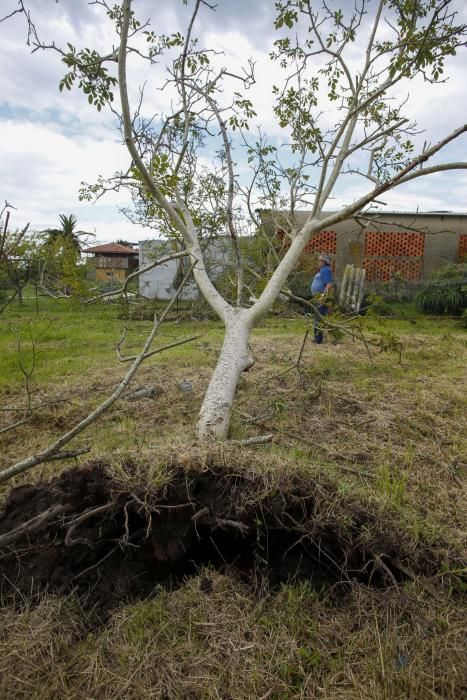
34,524
98,563
69,542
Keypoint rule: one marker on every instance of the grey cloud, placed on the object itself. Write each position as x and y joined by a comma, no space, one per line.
78,12
31,82
252,18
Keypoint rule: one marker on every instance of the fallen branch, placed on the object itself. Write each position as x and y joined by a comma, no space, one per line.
54,450
249,442
129,358
67,454
12,426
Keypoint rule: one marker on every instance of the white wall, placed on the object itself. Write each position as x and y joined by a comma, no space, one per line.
158,283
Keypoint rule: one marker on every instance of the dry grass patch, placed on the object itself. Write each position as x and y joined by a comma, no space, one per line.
398,432
214,638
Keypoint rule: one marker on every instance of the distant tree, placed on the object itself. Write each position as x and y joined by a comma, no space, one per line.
61,271
121,241
19,259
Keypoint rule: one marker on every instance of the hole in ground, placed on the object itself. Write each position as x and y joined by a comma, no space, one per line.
83,532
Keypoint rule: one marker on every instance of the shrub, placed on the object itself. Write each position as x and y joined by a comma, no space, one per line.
446,293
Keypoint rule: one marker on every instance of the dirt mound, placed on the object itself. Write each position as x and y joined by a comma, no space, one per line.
84,532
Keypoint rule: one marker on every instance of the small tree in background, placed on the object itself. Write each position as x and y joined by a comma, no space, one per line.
19,260
61,271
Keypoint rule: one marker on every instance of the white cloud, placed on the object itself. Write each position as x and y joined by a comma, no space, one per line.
42,169
440,191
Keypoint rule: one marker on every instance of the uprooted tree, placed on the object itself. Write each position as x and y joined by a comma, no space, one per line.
342,106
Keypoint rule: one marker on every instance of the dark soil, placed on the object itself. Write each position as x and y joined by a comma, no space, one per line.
85,533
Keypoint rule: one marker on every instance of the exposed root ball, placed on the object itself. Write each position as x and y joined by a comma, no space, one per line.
84,532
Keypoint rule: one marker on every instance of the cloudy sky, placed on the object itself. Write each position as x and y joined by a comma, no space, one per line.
50,141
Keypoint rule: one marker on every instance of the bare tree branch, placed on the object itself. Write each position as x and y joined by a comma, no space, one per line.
130,358
53,452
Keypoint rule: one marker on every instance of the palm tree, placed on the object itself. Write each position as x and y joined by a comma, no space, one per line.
66,232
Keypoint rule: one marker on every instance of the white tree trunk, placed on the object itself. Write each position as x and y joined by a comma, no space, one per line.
235,358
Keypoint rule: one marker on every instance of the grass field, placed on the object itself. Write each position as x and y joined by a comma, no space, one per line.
379,445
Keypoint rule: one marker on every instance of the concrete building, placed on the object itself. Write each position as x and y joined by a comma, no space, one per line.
411,245
162,281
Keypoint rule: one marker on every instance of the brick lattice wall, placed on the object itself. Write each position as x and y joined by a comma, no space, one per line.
394,244
384,270
462,246
386,255
322,242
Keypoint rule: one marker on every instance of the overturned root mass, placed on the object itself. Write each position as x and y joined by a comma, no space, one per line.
87,533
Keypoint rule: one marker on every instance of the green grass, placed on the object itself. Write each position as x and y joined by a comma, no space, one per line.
64,336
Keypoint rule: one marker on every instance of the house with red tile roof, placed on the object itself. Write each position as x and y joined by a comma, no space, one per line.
112,261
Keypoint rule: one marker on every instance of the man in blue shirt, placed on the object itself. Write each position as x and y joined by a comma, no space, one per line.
322,284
